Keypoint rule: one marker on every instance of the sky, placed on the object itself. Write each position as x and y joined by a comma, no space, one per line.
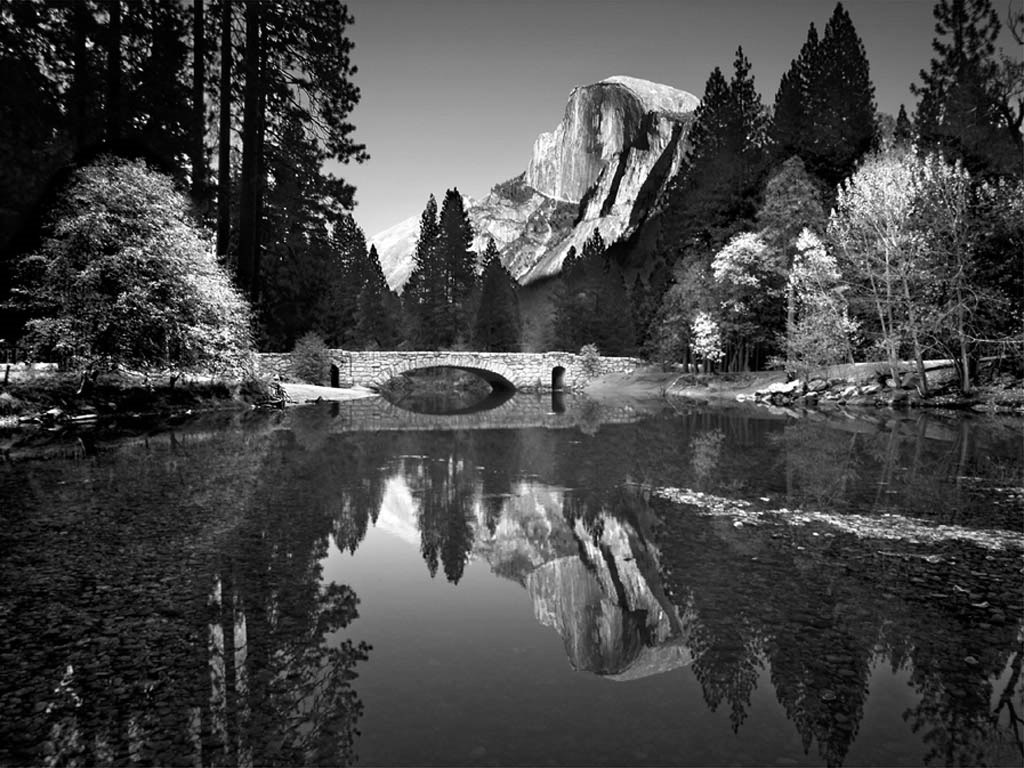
454,92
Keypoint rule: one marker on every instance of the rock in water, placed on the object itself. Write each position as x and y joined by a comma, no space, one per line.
603,167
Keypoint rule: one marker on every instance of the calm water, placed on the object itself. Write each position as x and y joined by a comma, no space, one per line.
357,584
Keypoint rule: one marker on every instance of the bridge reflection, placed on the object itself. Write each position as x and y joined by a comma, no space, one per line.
499,410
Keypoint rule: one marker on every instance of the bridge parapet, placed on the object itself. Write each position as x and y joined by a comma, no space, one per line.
522,370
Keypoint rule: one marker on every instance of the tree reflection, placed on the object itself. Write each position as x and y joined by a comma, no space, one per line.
166,603
177,613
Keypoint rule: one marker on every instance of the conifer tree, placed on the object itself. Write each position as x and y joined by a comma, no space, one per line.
497,327
378,309
456,264
790,119
422,291
964,110
825,106
904,131
716,192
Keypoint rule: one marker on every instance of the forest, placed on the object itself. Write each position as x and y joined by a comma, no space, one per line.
186,144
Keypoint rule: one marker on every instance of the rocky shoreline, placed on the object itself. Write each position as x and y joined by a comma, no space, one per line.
835,393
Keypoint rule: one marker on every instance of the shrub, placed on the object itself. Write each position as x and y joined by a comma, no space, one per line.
591,359
125,277
310,359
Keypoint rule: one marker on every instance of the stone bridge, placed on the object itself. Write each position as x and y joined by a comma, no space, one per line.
503,370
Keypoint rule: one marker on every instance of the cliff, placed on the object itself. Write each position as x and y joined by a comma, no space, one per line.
602,167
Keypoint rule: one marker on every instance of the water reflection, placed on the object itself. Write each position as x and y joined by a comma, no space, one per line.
637,586
163,599
164,605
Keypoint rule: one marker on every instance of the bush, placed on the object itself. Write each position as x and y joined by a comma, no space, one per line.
591,359
310,359
125,277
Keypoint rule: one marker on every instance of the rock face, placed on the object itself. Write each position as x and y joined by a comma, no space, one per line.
601,593
603,167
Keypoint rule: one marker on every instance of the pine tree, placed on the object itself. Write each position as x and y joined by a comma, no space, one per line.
903,134
790,118
378,309
842,101
457,264
423,291
593,306
963,110
716,192
825,107
498,326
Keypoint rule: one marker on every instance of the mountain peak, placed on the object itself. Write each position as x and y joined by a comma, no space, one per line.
657,97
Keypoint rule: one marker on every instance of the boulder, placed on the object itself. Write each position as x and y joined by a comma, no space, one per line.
817,385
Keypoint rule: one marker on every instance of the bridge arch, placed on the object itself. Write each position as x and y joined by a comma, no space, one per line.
558,378
494,372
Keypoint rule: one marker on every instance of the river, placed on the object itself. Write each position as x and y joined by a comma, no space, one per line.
548,582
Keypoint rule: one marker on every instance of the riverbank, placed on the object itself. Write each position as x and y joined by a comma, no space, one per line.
45,397
856,385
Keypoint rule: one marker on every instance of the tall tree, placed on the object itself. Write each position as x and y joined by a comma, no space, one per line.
198,137
250,206
424,290
966,110
716,191
224,134
790,117
379,309
114,115
825,106
457,263
904,130
792,204
497,325
298,68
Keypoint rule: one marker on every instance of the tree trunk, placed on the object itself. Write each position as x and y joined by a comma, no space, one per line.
965,354
81,76
114,74
918,356
249,212
224,136
198,99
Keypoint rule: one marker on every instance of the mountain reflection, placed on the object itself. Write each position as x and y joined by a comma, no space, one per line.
163,599
636,585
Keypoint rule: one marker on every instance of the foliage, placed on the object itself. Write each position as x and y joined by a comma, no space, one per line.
747,286
310,359
707,339
822,331
971,106
716,190
591,359
592,306
872,228
378,311
124,277
825,106
130,79
439,293
314,262
671,331
935,253
498,326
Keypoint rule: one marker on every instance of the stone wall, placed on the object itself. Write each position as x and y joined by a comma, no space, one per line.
524,371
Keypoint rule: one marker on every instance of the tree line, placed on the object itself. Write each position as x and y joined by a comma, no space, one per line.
240,104
819,231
